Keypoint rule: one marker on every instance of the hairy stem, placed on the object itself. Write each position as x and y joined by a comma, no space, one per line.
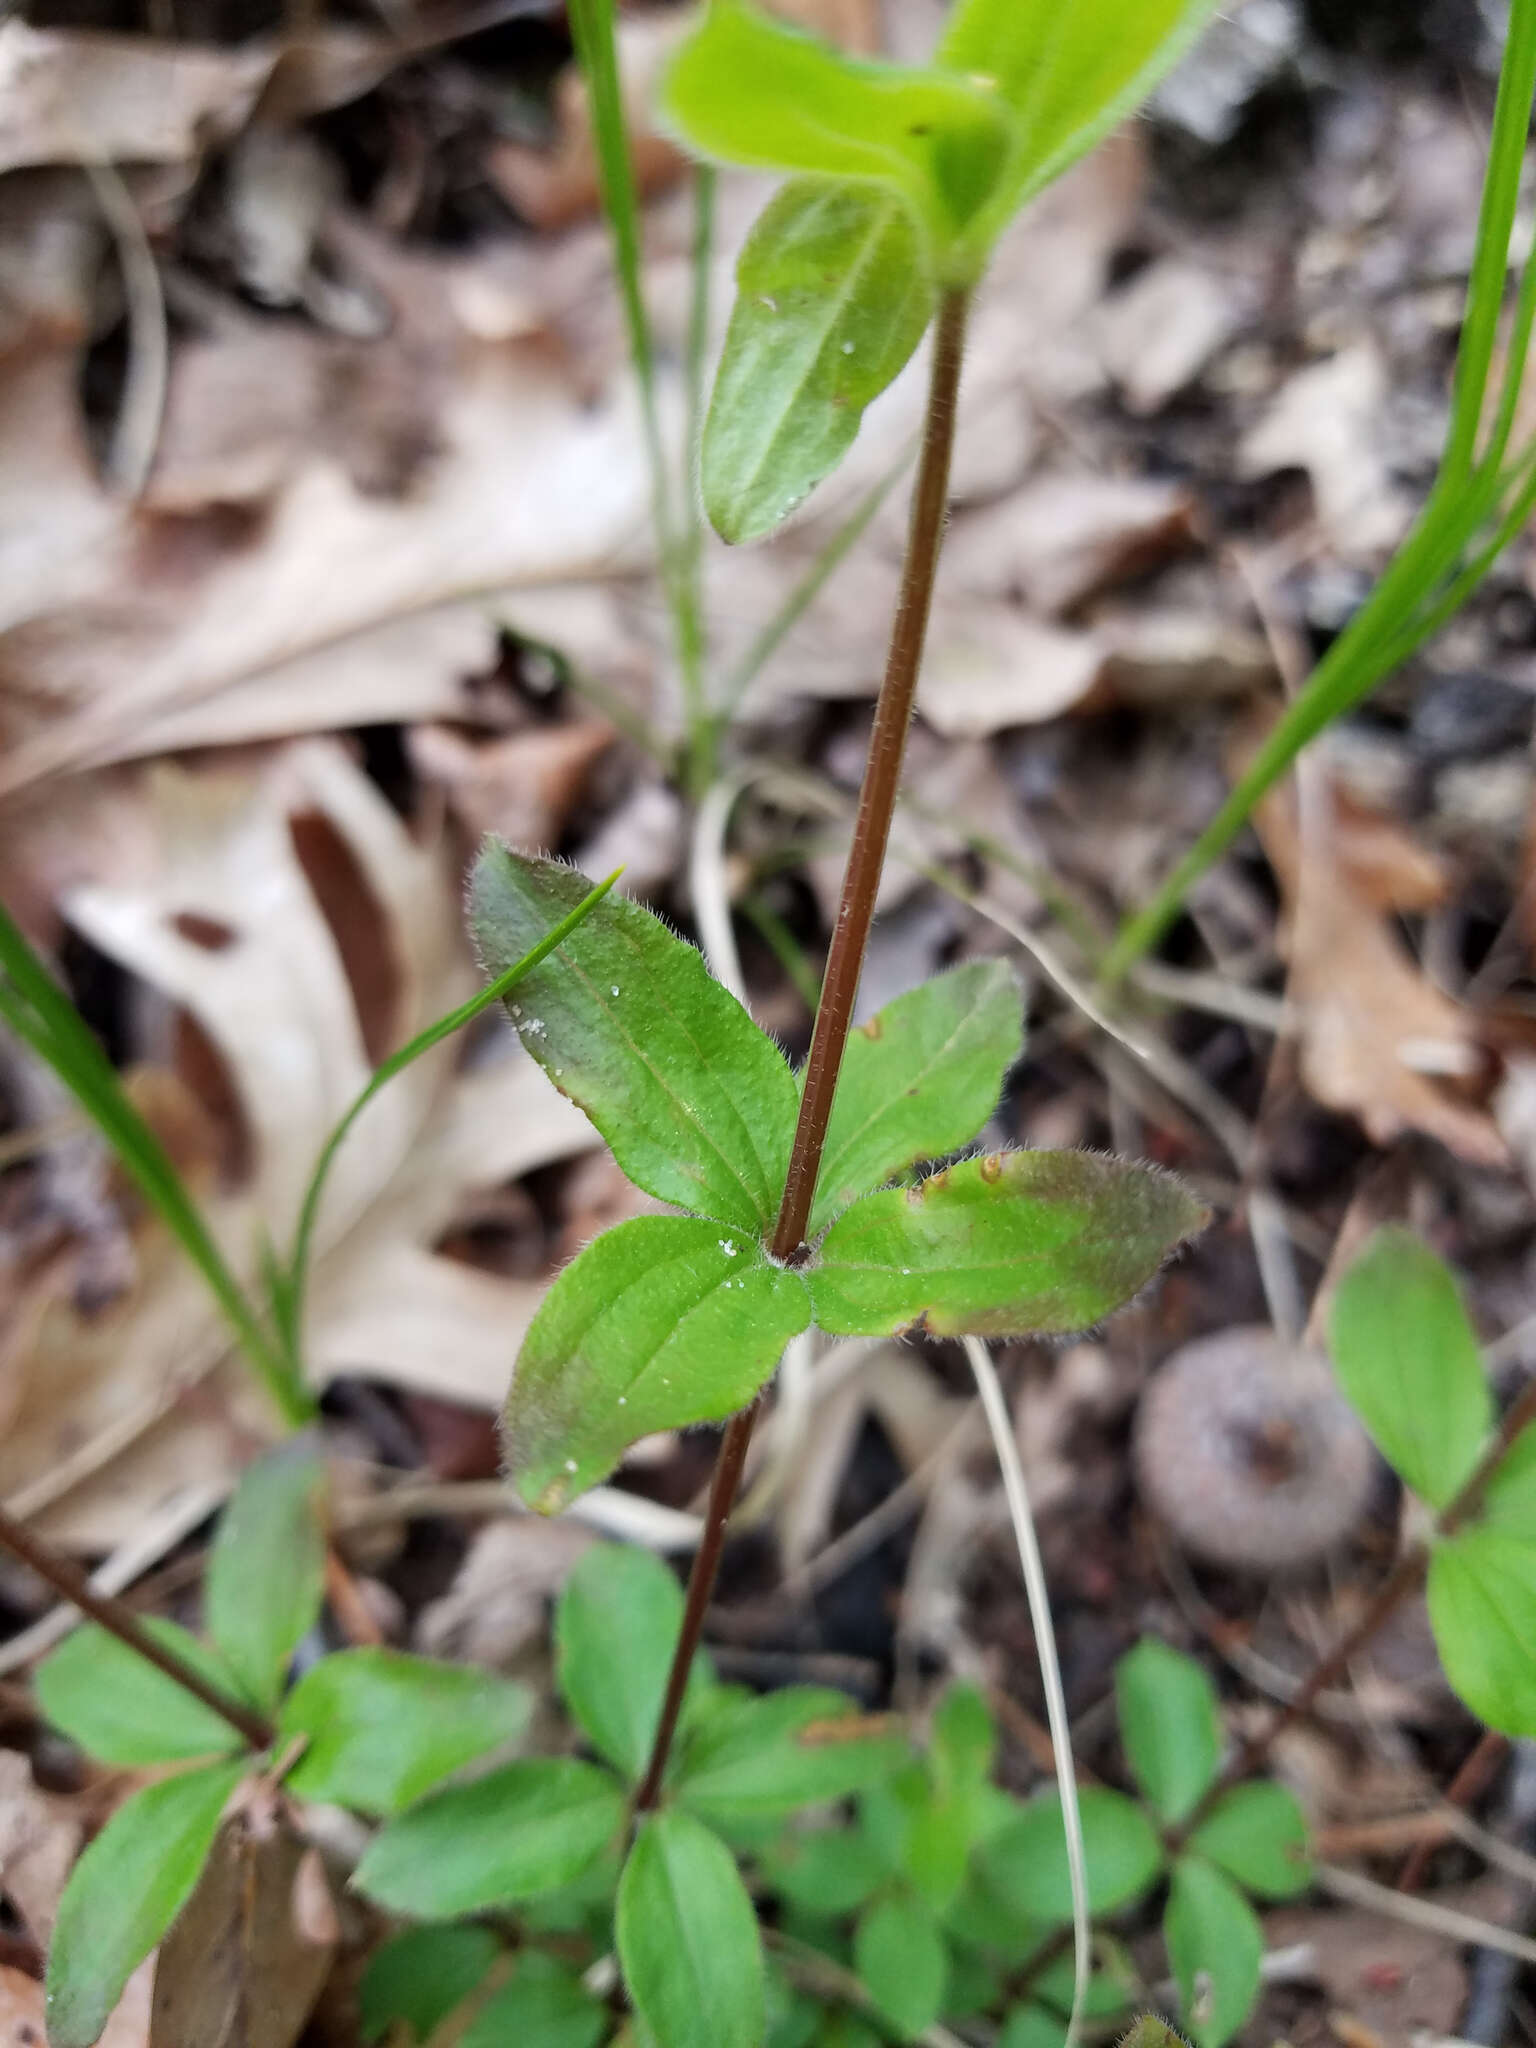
845,959
68,1580
1403,1578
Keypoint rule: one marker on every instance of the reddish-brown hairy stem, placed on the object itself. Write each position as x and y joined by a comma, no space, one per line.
1403,1578
68,1580
845,959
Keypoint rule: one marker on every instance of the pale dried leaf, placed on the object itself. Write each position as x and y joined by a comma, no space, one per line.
39,1837
1327,420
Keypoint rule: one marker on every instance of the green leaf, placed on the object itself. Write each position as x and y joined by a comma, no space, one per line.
964,1740
697,1104
1032,2026
516,1832
831,1871
416,1979
1071,74
688,1939
919,1080
1482,1606
1170,1726
1509,1499
832,296
1026,1862
545,2005
793,2016
121,1709
1407,1359
1257,1835
124,1893
662,1322
1006,1245
801,1746
381,1728
1151,2032
266,1576
1215,1945
1110,1990
902,1963
749,90
616,1628
847,2030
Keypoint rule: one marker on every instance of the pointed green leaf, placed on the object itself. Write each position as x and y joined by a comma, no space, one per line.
1509,1499
1406,1357
662,1322
1032,2026
1257,1835
832,296
1170,1726
1026,1861
829,1871
616,1628
124,1893
266,1576
800,1746
416,1979
698,1105
1006,1245
1482,1606
1110,1989
546,2005
121,1710
902,1963
1071,73
919,1080
688,1939
1215,1945
502,1838
964,1740
1151,2032
381,1727
750,90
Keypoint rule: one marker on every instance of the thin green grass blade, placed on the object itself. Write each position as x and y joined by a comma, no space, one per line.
287,1285
1429,579
689,611
42,1016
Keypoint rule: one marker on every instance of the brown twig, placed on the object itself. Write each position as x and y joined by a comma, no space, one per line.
1476,1770
845,960
68,1580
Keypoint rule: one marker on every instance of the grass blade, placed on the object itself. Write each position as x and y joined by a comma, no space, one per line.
287,1285
41,1014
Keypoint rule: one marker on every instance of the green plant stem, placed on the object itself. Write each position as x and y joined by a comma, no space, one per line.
845,961
72,1584
1403,1578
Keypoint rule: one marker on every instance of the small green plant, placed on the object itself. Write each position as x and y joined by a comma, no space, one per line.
1408,1360
812,1877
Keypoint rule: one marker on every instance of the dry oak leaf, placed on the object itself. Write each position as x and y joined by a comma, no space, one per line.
1378,1040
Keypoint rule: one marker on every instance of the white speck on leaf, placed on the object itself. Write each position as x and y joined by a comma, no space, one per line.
728,1247
615,989
570,1464
847,348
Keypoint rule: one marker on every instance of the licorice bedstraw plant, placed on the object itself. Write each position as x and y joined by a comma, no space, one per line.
901,181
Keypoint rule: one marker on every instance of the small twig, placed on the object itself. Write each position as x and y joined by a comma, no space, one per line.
1356,1890
66,1577
845,960
137,433
1476,1770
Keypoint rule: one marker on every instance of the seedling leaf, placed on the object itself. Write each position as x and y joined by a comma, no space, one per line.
801,1746
830,1871
662,1322
544,2003
616,1628
902,1962
502,1838
1032,2026
381,1728
1509,1500
1026,1860
698,1105
1482,1606
122,1709
1013,1243
1407,1359
919,1080
1257,1835
832,296
749,90
1215,1945
416,1979
124,1893
266,1576
688,1938
1070,73
1169,1725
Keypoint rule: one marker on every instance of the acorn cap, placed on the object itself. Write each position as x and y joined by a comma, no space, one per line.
1249,1453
